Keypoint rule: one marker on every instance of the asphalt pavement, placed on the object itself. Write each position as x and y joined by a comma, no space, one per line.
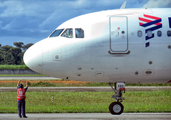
90,116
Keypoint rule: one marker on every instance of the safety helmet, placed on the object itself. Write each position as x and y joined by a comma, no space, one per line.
21,86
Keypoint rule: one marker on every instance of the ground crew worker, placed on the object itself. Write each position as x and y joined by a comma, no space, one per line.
21,98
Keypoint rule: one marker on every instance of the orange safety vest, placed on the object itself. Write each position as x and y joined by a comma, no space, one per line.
21,94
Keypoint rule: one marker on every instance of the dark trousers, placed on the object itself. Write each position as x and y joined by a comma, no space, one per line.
21,106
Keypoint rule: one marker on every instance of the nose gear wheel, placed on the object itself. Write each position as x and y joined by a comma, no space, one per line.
116,108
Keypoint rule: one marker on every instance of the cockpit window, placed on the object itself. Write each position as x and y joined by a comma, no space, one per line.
79,33
68,33
56,33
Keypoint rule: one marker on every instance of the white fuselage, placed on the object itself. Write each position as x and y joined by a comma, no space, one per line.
118,45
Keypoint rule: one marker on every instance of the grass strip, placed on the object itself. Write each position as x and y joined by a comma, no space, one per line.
13,67
66,83
20,75
87,102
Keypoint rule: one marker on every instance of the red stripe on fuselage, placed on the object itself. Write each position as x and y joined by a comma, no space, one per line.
152,17
158,24
145,20
141,23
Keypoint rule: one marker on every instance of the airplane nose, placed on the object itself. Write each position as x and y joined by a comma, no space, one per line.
33,58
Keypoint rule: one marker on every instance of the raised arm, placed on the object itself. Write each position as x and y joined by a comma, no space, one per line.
18,83
26,84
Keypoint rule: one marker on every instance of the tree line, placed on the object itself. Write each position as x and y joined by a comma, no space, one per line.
13,55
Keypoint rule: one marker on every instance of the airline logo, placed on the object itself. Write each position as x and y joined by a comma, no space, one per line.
151,23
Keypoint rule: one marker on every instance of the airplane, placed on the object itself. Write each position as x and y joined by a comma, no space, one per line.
113,46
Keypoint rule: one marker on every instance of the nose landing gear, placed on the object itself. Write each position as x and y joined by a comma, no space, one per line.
116,108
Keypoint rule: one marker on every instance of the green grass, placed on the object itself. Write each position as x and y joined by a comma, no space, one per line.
20,75
13,67
53,84
50,84
87,102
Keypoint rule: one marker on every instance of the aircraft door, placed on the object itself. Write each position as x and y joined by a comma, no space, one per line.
118,34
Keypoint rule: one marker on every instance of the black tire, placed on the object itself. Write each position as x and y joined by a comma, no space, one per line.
116,108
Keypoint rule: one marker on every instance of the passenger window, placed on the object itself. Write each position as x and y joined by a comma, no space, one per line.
56,33
169,33
68,33
159,33
79,33
139,33
149,33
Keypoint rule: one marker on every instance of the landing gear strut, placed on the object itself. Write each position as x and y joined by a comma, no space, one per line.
116,108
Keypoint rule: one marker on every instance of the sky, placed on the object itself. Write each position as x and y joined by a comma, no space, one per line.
30,21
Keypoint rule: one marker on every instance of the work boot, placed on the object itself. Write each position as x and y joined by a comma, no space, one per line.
25,117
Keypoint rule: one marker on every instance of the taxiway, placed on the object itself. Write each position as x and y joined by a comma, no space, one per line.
90,116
